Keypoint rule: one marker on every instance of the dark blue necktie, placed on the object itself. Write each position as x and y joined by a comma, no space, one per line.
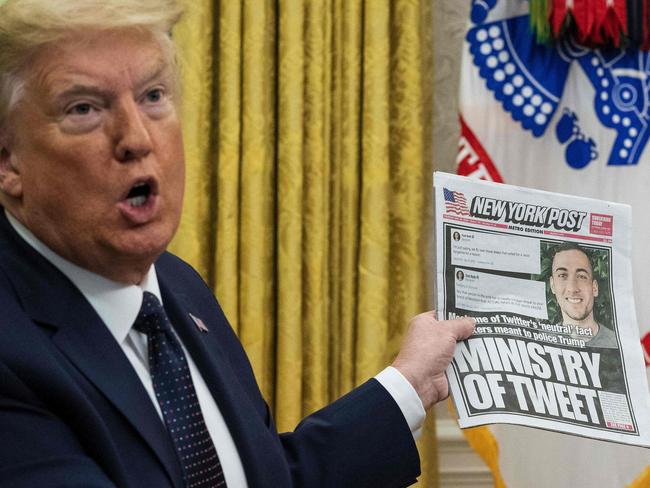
176,396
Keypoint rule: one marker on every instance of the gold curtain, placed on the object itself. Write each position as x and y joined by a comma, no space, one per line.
308,202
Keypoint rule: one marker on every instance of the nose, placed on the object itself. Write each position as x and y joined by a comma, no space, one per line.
132,139
572,285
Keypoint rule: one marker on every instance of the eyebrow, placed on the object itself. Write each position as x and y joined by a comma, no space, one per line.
157,71
80,89
77,89
578,270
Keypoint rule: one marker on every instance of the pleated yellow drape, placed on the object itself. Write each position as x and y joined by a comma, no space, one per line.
308,203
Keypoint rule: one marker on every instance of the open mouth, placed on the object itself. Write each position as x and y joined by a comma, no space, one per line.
140,204
139,194
574,300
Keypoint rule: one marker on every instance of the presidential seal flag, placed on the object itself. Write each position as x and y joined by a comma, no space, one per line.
565,118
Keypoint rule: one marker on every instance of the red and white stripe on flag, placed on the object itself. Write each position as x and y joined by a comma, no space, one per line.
567,119
455,202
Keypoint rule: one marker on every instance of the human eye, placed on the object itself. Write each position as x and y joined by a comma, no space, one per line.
80,109
81,116
155,101
154,95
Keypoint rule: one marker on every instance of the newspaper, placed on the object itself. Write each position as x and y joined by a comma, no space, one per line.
548,278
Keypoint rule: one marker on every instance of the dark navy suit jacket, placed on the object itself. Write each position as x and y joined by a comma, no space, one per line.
74,413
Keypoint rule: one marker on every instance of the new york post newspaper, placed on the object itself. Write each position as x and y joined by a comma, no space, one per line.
548,279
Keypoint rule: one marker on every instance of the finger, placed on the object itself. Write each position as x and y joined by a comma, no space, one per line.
462,328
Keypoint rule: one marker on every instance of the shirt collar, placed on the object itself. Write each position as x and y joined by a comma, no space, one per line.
117,304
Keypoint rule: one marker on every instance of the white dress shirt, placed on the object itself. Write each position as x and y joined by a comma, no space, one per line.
118,305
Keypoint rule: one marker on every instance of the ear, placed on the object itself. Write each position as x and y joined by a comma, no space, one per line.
550,281
10,178
594,286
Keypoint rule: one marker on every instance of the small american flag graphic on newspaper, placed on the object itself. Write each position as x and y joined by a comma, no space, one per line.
455,202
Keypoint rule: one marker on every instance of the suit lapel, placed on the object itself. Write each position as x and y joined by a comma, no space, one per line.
83,338
91,347
249,433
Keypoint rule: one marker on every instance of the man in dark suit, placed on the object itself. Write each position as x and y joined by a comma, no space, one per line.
118,367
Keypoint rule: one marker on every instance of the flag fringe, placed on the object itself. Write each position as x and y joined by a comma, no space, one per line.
592,23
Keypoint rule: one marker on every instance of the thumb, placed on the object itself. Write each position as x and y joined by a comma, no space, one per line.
460,328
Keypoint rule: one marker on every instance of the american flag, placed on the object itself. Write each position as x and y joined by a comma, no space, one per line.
455,202
199,323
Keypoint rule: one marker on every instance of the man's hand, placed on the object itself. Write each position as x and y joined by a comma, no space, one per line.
427,350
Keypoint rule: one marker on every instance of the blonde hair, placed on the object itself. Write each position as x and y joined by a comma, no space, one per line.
28,25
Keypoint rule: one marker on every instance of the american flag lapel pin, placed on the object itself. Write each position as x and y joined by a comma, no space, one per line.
199,323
